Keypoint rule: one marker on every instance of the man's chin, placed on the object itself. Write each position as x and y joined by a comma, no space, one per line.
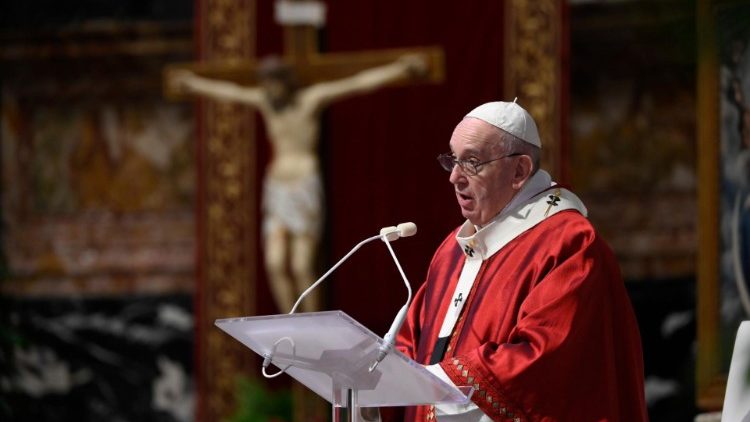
473,218
469,215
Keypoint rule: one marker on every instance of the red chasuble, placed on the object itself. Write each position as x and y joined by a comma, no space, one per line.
547,332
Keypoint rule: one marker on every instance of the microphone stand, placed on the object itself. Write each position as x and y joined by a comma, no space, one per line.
387,235
390,337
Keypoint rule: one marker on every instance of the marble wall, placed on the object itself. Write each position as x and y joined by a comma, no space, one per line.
98,230
120,358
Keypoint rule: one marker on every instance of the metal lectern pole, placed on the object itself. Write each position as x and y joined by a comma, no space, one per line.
350,413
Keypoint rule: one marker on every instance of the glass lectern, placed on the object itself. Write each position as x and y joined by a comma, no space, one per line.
331,354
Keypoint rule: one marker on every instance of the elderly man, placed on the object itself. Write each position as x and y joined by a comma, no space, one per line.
524,301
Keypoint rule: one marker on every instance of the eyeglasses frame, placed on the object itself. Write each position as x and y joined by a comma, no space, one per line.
465,165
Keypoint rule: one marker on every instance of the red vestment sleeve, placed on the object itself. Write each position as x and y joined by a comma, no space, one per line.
406,341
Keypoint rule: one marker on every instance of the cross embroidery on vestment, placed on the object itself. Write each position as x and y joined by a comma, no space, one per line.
553,200
469,251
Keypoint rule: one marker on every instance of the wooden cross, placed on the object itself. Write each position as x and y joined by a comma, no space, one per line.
301,41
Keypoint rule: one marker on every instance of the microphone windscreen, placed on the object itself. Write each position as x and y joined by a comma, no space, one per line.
407,229
391,233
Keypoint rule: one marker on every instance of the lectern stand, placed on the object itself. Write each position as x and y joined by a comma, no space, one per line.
331,353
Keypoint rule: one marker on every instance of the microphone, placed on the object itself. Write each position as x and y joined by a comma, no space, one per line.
395,232
387,234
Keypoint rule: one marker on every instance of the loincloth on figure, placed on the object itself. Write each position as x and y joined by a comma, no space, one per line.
296,205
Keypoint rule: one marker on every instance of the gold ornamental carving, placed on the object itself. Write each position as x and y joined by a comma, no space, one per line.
533,69
227,223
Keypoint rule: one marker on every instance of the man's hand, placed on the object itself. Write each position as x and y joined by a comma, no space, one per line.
416,65
370,414
179,80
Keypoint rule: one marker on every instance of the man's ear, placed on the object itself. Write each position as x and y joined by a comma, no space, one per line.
522,171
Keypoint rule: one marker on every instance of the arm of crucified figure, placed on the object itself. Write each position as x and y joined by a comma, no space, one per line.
187,82
410,66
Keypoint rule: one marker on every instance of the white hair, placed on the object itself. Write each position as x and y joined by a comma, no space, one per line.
515,145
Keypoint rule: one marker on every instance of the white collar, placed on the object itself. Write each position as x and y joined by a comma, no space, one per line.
531,205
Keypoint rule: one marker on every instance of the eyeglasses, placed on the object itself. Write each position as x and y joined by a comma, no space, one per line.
472,166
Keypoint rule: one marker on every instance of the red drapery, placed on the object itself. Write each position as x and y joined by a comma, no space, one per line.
378,150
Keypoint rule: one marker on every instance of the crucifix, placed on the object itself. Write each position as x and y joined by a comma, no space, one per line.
301,20
290,94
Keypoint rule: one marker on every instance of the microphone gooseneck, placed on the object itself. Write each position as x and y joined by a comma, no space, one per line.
404,230
387,234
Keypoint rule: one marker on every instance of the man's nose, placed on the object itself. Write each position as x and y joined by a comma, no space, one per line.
456,175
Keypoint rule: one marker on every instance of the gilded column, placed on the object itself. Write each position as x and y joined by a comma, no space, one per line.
227,224
536,50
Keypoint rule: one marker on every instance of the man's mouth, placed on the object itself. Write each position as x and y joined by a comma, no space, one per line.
463,198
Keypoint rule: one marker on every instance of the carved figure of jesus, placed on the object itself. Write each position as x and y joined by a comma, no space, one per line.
292,201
